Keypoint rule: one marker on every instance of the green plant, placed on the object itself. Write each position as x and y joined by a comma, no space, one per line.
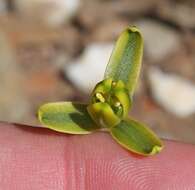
110,102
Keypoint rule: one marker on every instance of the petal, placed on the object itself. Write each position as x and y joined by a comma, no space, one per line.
123,97
137,138
113,93
125,61
66,117
103,115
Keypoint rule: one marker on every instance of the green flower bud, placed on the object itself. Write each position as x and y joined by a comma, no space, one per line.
103,115
110,102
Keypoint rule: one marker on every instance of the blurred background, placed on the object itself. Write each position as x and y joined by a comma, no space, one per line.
57,50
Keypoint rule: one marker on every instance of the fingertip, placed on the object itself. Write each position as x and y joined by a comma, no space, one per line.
34,158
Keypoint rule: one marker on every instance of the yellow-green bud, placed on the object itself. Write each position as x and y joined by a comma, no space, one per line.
110,102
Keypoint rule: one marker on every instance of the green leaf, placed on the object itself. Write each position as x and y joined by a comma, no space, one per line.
125,61
67,117
136,137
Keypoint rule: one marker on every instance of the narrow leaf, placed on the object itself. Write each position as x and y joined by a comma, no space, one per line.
136,137
125,61
66,117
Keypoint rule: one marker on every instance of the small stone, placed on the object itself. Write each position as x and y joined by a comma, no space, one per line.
160,40
14,105
89,68
3,6
50,12
94,13
104,32
183,14
174,93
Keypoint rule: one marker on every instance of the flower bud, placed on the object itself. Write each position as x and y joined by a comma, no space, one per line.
110,102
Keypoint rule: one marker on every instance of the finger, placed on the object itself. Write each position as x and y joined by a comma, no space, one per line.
32,158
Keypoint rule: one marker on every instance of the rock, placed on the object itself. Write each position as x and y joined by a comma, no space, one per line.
3,6
14,105
27,83
50,12
89,68
183,14
160,40
174,93
181,63
101,11
109,30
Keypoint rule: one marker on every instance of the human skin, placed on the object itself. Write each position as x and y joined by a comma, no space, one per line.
40,159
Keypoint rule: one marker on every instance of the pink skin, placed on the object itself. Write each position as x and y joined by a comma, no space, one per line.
40,159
